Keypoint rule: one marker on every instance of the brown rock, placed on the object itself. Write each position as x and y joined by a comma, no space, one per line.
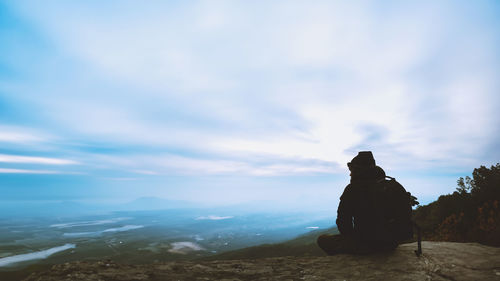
440,261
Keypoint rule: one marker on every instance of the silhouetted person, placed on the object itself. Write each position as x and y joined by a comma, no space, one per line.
373,213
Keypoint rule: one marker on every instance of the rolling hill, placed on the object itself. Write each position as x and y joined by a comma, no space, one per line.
303,245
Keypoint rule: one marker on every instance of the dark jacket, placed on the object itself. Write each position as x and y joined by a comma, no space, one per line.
356,217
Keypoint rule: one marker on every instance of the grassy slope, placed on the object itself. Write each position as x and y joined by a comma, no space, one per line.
21,273
304,245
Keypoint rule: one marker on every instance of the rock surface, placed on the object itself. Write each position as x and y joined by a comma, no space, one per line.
440,261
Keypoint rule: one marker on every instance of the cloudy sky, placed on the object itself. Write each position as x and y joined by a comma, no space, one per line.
234,101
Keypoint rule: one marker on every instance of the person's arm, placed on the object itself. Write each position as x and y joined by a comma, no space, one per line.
344,213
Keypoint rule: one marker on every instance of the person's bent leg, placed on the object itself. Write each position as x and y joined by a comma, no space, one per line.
332,244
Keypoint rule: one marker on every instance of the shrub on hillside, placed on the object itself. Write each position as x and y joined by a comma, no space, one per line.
469,214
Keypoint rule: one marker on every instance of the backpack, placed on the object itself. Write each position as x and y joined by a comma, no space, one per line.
393,207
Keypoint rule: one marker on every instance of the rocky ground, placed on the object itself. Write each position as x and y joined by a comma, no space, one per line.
440,261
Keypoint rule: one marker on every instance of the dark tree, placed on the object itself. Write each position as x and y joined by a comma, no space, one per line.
471,213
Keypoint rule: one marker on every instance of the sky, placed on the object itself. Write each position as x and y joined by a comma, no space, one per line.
230,102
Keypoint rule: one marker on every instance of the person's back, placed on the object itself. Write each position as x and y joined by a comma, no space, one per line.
359,219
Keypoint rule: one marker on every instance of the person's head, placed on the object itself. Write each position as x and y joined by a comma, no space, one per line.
363,166
364,160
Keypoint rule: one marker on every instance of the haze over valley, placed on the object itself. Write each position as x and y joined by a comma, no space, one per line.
144,236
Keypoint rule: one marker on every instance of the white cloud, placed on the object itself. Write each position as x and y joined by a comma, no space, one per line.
7,261
87,223
25,171
35,160
13,134
145,172
16,137
184,247
100,232
281,81
216,218
121,179
245,165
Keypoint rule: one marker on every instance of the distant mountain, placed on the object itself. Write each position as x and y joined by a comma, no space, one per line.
303,245
155,203
42,208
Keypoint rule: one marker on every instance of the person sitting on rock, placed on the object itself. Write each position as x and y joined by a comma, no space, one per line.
363,226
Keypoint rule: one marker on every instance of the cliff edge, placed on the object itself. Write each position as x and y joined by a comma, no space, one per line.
440,261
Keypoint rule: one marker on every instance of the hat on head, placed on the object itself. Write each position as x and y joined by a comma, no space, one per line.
363,159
